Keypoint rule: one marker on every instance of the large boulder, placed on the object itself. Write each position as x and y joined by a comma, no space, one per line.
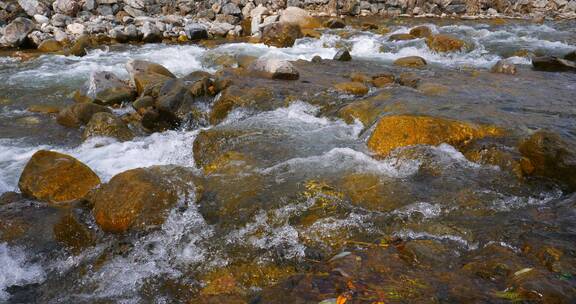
300,17
281,34
56,178
406,130
141,198
553,64
550,156
79,114
445,43
16,33
107,125
275,69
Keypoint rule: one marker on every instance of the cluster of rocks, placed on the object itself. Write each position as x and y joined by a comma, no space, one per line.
31,22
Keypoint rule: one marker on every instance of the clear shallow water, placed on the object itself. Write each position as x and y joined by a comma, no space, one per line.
293,149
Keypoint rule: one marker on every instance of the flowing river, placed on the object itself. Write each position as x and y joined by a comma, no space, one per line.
309,195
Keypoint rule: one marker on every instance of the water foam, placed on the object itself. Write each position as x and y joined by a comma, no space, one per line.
17,270
106,156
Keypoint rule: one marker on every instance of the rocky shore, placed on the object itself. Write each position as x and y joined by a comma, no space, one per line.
54,25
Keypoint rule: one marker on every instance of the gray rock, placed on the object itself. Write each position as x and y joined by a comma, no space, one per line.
33,7
105,10
195,31
76,28
137,4
101,81
41,19
275,68
89,5
247,9
60,20
231,9
16,33
134,12
151,33
220,28
66,7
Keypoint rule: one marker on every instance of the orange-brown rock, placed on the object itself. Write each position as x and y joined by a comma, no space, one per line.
72,233
281,34
359,77
406,130
56,178
50,45
400,37
421,31
79,114
354,88
233,97
445,43
366,110
140,198
410,62
382,80
551,156
44,109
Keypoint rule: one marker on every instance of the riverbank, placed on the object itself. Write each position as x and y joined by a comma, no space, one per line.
52,26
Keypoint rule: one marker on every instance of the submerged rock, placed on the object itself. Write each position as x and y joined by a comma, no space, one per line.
445,43
107,125
550,156
141,198
281,34
50,45
410,62
275,69
79,114
79,47
406,130
421,32
56,178
72,233
353,87
504,67
335,24
366,110
233,97
401,37
553,64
